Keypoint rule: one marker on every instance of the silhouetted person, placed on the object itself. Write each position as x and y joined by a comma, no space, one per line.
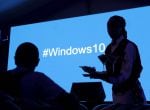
34,90
123,66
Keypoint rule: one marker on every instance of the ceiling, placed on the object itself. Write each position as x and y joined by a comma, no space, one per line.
17,12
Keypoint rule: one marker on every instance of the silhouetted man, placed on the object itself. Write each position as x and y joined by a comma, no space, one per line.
123,65
37,90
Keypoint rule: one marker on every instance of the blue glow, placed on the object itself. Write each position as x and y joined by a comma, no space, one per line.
8,4
82,32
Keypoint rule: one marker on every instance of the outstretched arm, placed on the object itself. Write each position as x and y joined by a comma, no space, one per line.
92,73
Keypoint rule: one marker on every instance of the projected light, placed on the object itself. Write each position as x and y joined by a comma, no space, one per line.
66,44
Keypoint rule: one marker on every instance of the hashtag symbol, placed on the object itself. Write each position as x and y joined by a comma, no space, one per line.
45,53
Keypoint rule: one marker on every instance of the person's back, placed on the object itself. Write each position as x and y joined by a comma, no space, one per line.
35,89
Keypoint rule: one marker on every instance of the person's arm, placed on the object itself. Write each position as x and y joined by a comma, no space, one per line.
126,68
92,73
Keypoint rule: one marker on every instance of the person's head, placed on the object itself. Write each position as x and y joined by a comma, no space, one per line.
27,56
116,27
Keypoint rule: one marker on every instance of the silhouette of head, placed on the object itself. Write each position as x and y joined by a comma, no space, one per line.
27,55
116,27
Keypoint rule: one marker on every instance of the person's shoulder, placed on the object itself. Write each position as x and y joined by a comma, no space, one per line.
131,46
42,78
41,75
37,74
37,77
131,43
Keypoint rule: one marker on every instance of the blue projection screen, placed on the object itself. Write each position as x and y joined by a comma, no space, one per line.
66,44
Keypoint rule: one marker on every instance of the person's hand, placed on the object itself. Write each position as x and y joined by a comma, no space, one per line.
96,75
88,69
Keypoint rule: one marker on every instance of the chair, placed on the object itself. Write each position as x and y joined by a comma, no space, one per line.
83,107
99,107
